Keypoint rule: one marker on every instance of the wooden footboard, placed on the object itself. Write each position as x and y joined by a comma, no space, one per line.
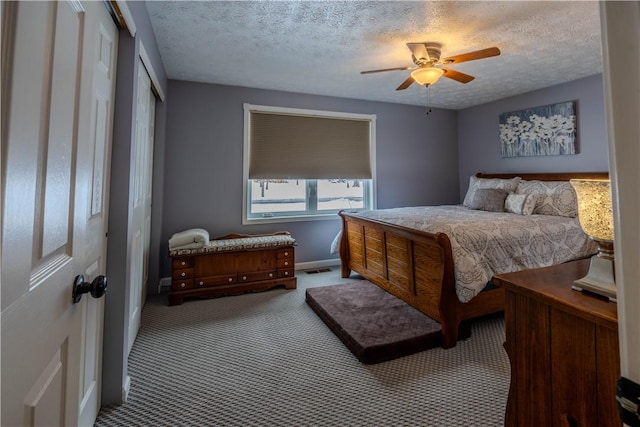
415,266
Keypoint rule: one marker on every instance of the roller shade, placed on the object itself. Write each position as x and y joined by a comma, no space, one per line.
284,146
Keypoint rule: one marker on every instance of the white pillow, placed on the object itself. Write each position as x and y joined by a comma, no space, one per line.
521,204
475,183
554,197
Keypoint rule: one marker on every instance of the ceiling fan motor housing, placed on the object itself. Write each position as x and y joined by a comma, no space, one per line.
432,50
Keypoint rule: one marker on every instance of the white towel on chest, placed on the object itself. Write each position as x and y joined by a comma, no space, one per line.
189,239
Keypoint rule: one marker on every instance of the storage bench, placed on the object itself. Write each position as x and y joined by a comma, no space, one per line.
232,265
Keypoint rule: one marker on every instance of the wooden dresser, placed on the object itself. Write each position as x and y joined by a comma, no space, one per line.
563,349
233,265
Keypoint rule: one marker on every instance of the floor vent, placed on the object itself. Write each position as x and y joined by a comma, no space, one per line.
320,270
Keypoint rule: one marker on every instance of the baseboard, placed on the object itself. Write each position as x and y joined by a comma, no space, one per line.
165,282
125,389
317,264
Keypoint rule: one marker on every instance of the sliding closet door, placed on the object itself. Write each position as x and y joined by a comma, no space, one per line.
141,222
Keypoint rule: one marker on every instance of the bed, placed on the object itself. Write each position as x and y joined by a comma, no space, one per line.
419,266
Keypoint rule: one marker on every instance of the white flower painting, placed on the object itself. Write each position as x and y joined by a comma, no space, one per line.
540,131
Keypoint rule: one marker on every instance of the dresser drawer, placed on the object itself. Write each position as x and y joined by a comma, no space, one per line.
226,279
287,272
285,263
182,273
285,253
186,262
181,285
256,275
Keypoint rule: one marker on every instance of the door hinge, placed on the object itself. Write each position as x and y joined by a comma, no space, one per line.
628,398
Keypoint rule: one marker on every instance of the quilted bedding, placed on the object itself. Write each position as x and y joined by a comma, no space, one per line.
488,243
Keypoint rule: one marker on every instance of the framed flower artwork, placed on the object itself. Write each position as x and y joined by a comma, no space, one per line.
541,131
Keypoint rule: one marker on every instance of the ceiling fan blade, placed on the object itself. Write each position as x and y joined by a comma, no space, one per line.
457,75
472,56
405,84
386,69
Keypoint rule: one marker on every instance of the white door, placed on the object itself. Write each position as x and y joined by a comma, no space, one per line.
95,126
621,48
141,221
58,69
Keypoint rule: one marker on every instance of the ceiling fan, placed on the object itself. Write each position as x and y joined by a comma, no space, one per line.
429,67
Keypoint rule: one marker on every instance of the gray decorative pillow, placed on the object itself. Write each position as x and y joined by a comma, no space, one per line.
554,197
488,199
475,183
521,204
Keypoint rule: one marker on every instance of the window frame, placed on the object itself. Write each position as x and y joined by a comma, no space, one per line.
369,190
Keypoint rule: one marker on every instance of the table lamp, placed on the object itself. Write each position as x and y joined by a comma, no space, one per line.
596,219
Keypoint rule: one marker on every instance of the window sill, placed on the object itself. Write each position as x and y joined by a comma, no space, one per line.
296,218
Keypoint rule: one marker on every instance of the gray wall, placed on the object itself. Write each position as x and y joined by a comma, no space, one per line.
417,161
479,143
116,317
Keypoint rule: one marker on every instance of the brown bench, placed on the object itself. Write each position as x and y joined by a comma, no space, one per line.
232,265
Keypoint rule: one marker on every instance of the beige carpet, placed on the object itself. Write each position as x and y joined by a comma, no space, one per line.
266,359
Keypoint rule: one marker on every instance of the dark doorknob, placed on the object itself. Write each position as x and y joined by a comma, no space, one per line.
97,288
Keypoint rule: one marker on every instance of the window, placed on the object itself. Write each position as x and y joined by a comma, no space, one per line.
303,164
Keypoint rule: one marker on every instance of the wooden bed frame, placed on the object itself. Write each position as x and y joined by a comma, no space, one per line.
417,266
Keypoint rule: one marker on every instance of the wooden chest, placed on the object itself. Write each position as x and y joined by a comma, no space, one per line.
232,265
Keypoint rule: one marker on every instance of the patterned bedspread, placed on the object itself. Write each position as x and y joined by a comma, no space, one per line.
488,243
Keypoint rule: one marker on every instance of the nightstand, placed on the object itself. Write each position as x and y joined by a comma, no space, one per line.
563,349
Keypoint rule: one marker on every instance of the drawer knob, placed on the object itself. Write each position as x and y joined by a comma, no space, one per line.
244,277
182,285
183,274
184,263
286,254
230,279
286,263
286,273
270,274
201,283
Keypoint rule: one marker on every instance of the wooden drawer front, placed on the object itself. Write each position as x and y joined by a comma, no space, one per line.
285,263
227,279
182,273
254,261
286,253
255,276
218,264
181,285
287,272
182,263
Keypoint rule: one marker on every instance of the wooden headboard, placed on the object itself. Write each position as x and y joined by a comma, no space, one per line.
547,176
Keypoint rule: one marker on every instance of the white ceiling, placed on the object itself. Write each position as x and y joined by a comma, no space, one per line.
320,47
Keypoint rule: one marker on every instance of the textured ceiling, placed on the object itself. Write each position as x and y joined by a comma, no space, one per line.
320,47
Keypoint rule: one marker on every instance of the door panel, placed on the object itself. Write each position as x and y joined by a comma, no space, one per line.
46,339
40,251
41,404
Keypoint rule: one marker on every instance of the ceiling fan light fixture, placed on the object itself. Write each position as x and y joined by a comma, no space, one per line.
427,76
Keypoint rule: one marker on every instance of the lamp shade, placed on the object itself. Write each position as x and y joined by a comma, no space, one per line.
427,76
594,207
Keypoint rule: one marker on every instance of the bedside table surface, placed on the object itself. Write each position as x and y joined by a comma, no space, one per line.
552,285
